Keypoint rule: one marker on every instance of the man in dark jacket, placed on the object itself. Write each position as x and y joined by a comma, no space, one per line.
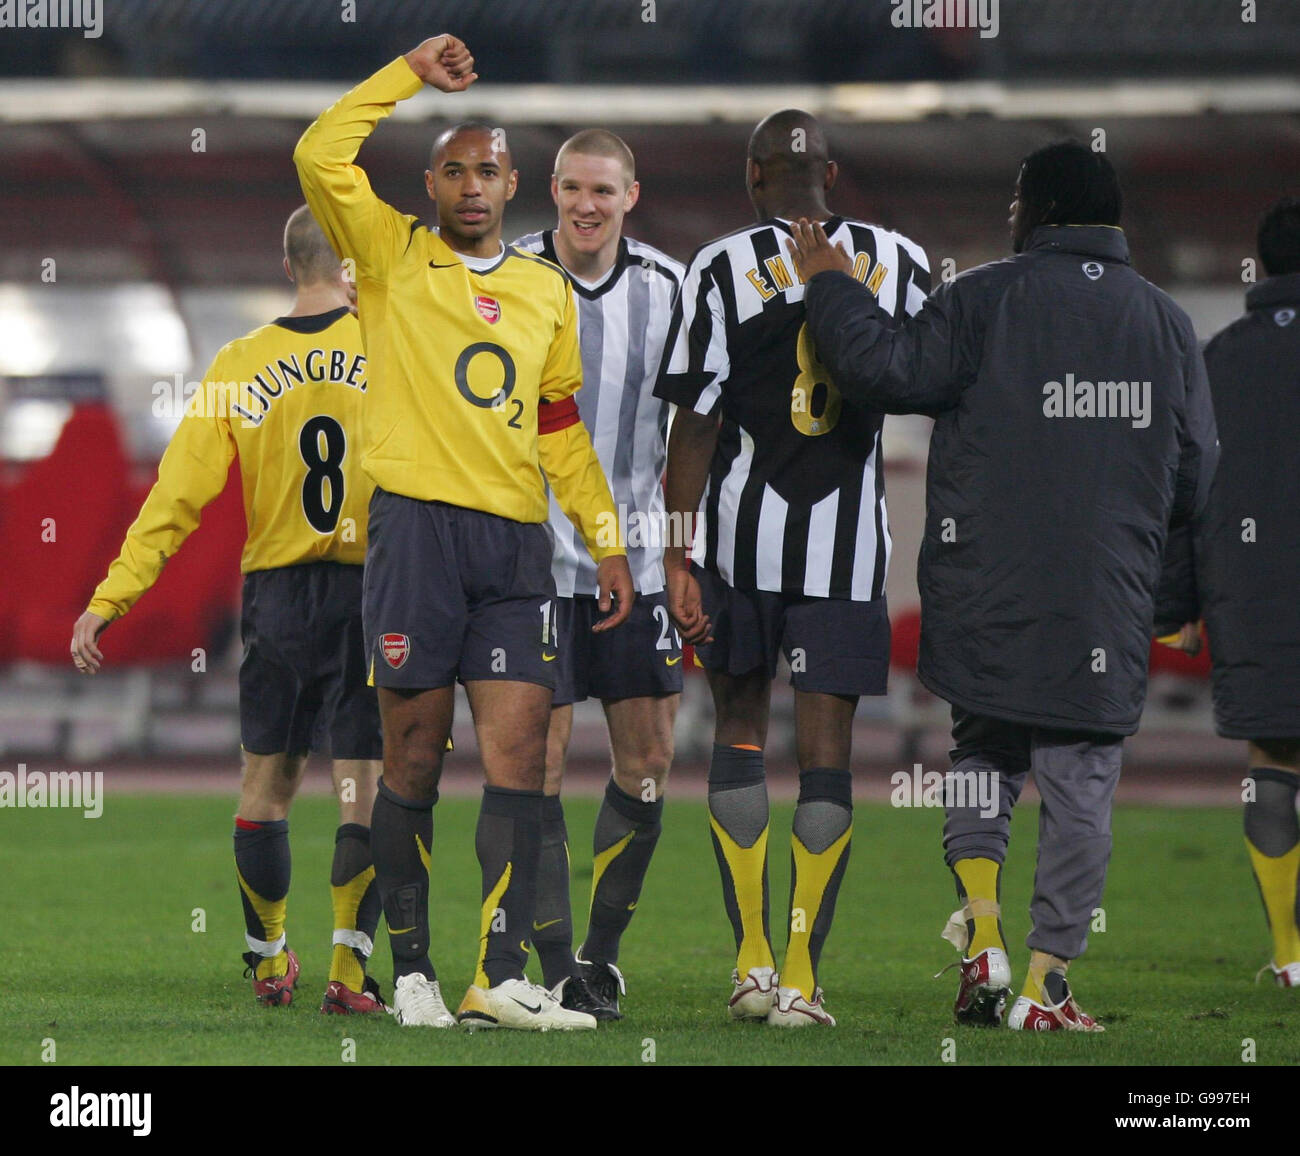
1072,426
1242,573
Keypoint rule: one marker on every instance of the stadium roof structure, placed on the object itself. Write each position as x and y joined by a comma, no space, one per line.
677,41
42,101
113,179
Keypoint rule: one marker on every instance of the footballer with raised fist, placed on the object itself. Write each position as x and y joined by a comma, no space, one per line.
286,401
474,361
624,290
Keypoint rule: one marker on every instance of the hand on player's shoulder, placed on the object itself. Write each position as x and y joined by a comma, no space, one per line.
812,253
443,62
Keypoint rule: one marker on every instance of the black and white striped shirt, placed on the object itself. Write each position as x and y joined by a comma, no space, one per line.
622,327
796,494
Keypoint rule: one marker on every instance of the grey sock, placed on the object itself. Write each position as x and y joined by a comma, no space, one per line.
1270,820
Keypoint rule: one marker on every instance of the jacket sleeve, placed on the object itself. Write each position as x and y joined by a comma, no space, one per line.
1198,440
1178,599
921,366
192,473
564,449
359,225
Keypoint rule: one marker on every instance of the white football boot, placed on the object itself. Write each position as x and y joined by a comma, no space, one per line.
752,997
417,1003
518,1004
1288,976
791,1010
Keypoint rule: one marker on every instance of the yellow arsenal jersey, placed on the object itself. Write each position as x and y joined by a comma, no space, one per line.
459,359
286,400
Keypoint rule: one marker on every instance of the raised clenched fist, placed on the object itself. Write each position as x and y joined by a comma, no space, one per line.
443,62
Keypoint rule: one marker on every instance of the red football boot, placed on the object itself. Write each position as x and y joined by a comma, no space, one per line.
275,990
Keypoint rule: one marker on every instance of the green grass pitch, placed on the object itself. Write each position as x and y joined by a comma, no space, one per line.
99,954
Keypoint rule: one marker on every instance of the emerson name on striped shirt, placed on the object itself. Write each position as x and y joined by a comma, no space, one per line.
796,494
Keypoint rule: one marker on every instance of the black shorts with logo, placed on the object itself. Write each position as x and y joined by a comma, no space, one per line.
833,645
453,593
302,681
640,658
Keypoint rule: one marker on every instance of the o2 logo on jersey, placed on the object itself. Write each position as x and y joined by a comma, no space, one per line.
1284,317
497,400
396,649
1093,270
489,308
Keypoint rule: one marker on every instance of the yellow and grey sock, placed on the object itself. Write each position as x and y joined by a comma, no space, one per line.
401,834
819,854
979,887
509,846
1273,841
1045,979
738,817
627,829
552,932
263,867
356,905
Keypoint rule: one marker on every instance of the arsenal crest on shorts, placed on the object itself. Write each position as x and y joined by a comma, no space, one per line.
396,649
489,308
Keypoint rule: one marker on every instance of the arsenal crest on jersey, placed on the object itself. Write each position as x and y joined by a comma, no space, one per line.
489,308
396,649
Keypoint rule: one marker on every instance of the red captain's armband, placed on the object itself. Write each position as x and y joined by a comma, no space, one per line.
553,416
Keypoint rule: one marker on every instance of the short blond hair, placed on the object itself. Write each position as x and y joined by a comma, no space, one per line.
599,142
311,258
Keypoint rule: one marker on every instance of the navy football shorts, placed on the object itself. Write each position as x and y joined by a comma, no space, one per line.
302,681
833,645
453,593
640,658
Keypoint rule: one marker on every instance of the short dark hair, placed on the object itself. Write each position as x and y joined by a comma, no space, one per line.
1067,183
1279,238
790,147
467,126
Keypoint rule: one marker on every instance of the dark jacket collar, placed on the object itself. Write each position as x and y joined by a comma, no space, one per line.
1102,241
1283,290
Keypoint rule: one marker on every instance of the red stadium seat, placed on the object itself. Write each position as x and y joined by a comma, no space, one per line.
81,498
196,598
905,639
63,523
1167,660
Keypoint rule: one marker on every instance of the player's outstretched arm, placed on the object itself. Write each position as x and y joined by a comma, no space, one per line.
192,473
360,226
573,471
85,633
920,367
569,462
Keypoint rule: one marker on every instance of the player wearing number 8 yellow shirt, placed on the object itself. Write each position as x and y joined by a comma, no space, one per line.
793,549
285,399
474,360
